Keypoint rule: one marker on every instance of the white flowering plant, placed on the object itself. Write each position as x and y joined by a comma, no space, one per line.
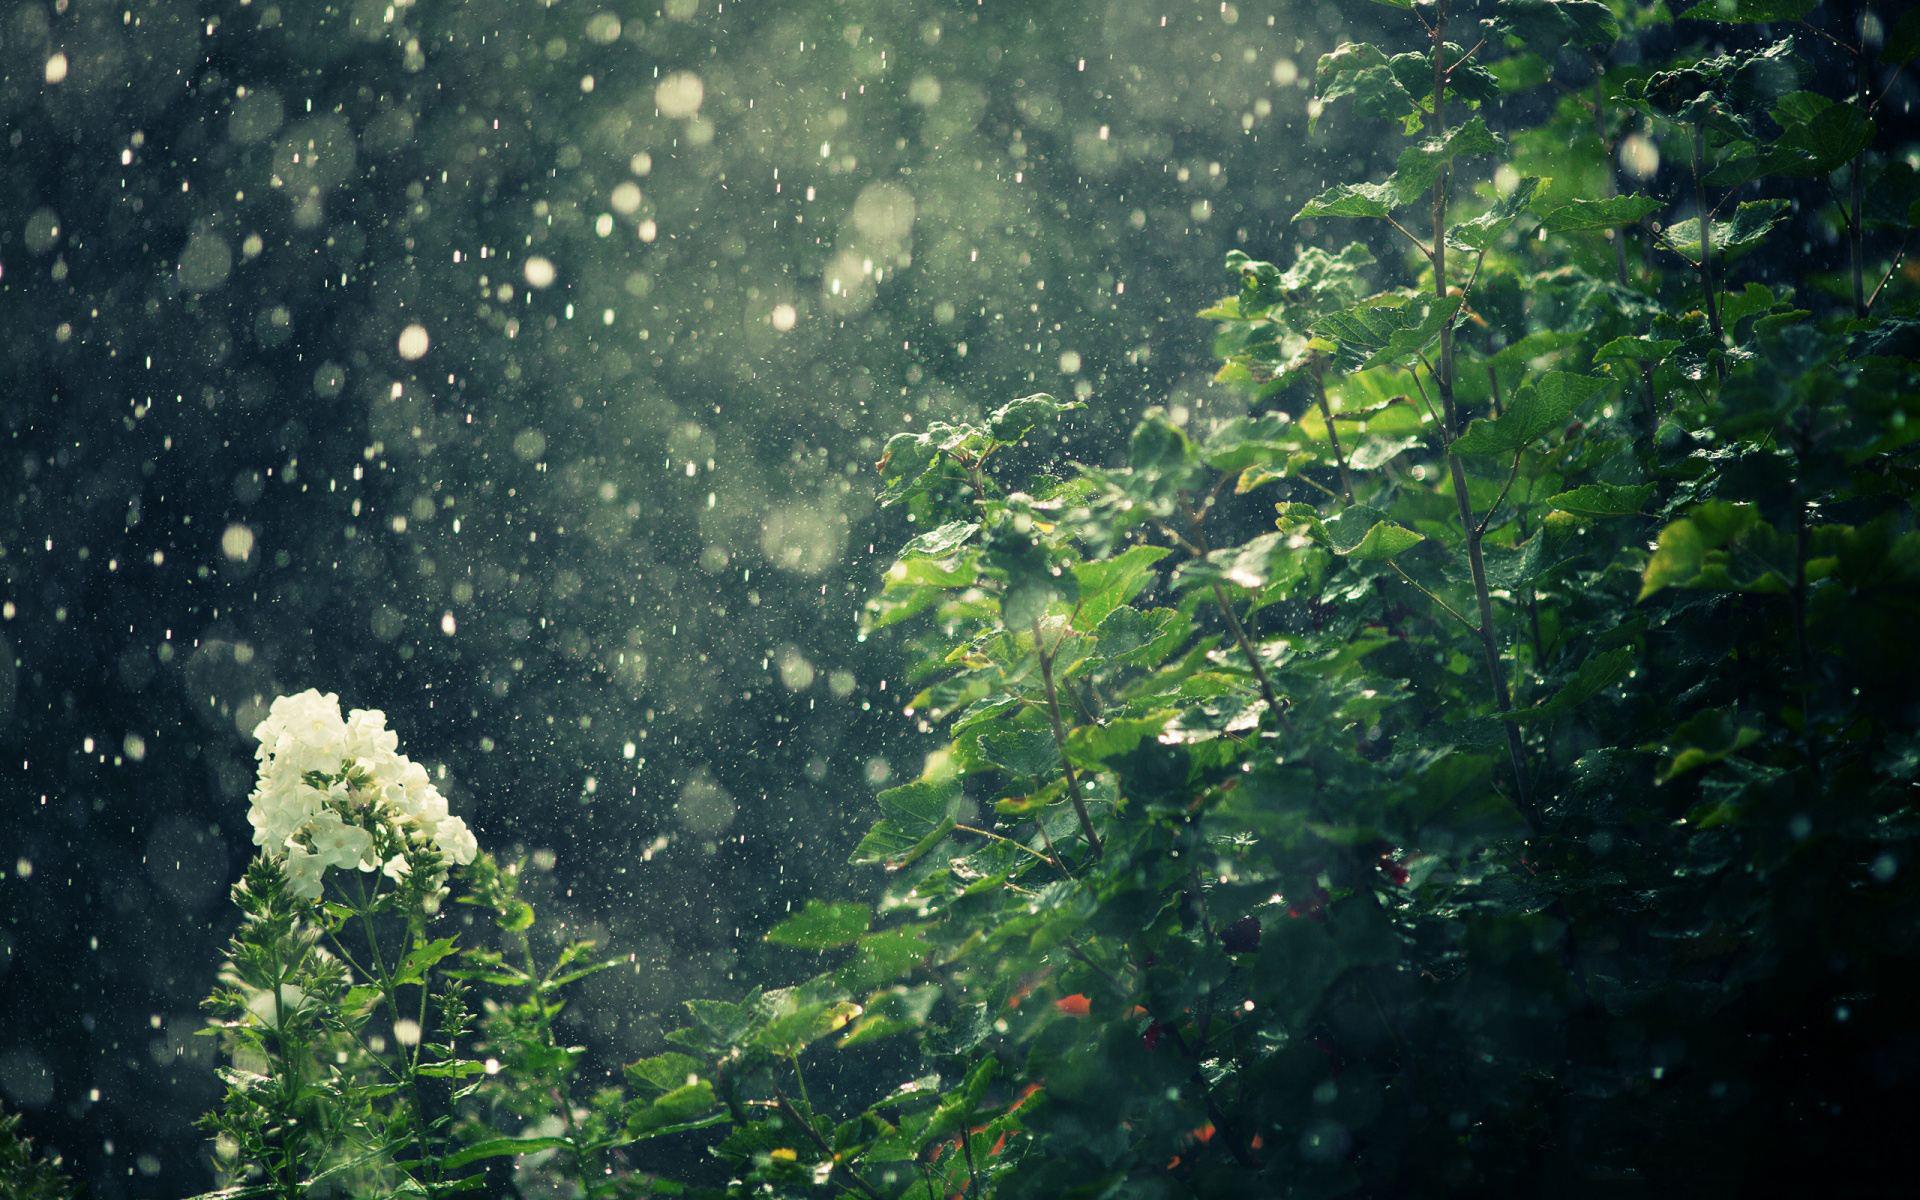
335,792
351,1041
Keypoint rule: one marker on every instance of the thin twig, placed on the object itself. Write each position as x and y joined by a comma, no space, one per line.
1021,846
1333,435
1246,648
1432,414
1174,535
1424,590
1060,742
1707,287
1898,258
1443,384
1465,57
787,1110
1419,245
1494,508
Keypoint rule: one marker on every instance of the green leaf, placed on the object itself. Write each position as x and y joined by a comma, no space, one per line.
1352,200
1602,499
917,819
674,1108
1749,12
1129,637
1823,142
1360,71
1635,350
1704,739
502,1147
822,926
1482,231
1547,25
1017,418
1598,673
1360,533
1383,541
1014,551
423,958
1388,330
1158,446
1538,409
883,957
941,542
1903,40
1089,744
1106,584
1022,752
1752,221
1245,441
663,1072
1419,165
1686,547
1578,216
903,463
1727,92
792,1032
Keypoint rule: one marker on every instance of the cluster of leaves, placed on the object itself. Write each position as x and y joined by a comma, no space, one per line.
1487,761
1485,765
25,1173
332,1078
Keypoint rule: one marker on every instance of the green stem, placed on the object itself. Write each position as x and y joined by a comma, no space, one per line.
1246,647
364,910
1707,286
1333,435
1856,190
1020,846
1450,419
582,1167
1609,184
837,1167
1060,741
289,1073
1803,672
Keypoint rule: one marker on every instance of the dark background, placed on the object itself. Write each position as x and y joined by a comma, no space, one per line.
600,551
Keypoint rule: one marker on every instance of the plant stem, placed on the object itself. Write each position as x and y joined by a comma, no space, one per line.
1856,192
1892,268
1706,229
289,1079
1333,435
1443,384
1609,184
992,836
788,1111
973,1172
1246,648
582,1169
1424,590
1060,741
364,909
1801,537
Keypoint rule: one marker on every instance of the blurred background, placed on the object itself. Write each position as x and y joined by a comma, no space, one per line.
517,367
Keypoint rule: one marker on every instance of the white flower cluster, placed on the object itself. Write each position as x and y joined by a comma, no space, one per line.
336,792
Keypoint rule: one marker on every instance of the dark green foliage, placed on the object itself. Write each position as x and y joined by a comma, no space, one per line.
1524,809
1483,766
27,1174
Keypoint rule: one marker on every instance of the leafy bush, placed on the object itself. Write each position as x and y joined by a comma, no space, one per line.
26,1174
1485,765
